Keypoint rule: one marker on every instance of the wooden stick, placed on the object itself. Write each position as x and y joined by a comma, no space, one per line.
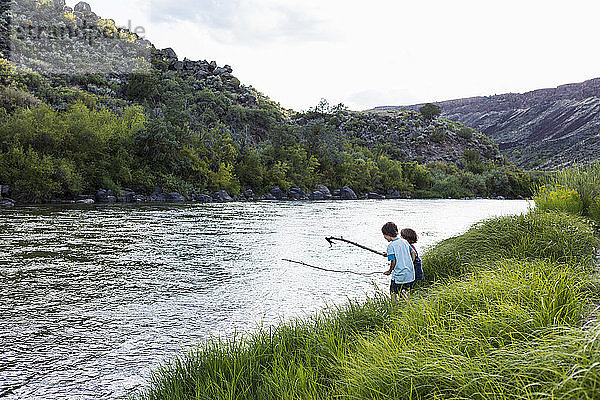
331,270
331,239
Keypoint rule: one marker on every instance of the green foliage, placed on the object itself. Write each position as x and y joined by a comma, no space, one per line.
142,86
38,177
466,132
437,136
549,235
585,181
558,198
430,111
418,175
7,72
201,137
11,99
35,144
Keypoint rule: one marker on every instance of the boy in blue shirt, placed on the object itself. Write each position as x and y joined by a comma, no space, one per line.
401,263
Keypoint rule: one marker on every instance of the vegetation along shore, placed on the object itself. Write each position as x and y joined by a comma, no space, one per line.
503,314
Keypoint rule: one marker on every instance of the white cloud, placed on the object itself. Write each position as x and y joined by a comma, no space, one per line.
378,52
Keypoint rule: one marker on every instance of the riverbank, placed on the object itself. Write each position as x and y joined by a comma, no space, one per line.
141,195
499,316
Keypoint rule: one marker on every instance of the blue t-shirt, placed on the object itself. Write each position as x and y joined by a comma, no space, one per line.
404,271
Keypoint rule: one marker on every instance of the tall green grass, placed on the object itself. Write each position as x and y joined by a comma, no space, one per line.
497,320
584,180
548,235
447,344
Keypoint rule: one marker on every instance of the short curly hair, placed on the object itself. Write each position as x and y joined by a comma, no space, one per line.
390,229
409,235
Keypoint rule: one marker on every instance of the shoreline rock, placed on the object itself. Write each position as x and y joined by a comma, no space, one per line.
137,194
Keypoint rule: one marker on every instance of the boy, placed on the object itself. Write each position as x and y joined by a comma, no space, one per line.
411,237
401,264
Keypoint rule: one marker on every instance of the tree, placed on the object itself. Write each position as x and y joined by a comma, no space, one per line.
430,111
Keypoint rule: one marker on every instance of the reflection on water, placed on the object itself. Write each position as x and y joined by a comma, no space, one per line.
92,298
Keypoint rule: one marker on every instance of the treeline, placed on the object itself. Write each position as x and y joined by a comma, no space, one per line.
160,130
46,153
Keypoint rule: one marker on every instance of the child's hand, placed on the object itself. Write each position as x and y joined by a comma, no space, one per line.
387,272
384,254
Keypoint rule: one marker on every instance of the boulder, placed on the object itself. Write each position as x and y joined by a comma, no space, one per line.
125,197
138,198
317,195
105,196
278,193
201,74
5,202
325,190
348,194
249,194
59,4
375,196
158,196
174,197
169,55
83,7
188,64
4,189
204,198
222,196
337,194
297,194
393,194
85,201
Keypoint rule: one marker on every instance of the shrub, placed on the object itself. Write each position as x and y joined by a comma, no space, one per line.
438,136
550,235
595,209
558,198
584,180
430,111
466,132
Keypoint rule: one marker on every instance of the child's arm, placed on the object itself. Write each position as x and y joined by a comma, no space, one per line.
413,254
392,265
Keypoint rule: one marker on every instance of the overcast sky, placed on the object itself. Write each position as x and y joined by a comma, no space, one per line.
376,52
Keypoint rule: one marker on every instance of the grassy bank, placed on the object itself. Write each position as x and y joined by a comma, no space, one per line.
499,317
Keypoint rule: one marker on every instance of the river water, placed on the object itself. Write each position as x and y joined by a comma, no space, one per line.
92,298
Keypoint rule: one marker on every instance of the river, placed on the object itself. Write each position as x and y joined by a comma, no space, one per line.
92,298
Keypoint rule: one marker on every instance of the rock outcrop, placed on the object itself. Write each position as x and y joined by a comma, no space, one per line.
545,128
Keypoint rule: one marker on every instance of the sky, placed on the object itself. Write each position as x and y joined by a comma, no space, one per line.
377,52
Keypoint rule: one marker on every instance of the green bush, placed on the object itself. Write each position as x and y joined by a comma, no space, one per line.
585,181
559,198
555,236
466,132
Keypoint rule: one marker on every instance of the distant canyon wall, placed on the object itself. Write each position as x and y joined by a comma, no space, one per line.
544,129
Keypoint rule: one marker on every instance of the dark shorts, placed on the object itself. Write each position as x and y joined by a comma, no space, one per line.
397,287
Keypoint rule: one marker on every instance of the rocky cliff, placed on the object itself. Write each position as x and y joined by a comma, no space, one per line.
545,128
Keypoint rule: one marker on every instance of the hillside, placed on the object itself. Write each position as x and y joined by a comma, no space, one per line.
545,129
87,107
